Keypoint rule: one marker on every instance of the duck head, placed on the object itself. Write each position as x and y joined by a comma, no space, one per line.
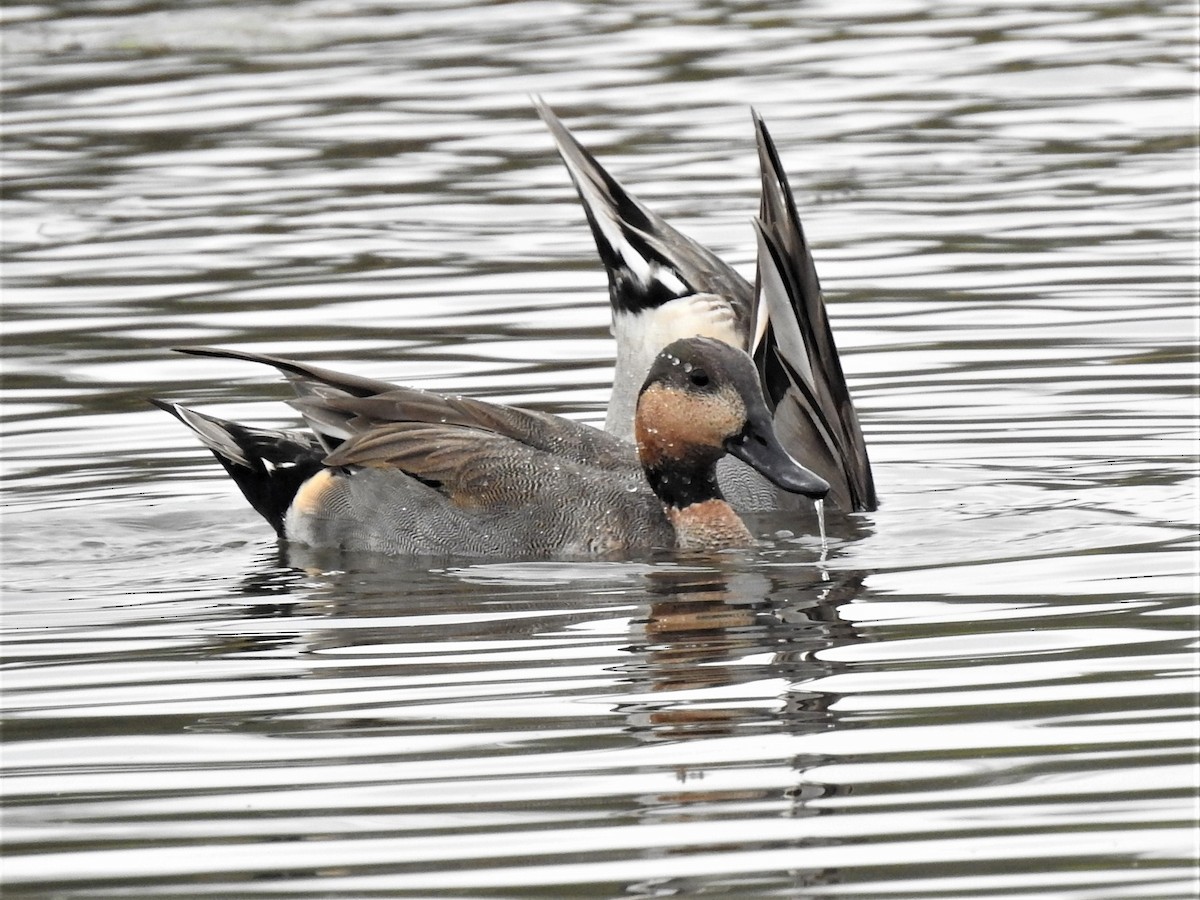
701,400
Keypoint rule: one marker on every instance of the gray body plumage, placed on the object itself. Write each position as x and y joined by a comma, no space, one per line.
408,471
386,511
403,471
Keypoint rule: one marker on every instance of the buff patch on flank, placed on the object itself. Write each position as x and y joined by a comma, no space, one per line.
308,499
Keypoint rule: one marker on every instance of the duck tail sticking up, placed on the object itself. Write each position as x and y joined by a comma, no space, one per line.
662,285
648,262
268,466
797,359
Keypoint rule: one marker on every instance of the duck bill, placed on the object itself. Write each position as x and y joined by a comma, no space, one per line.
758,447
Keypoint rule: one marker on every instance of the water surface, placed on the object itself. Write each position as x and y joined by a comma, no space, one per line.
986,688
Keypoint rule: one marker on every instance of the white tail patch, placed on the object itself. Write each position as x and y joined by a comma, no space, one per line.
762,318
773,294
641,336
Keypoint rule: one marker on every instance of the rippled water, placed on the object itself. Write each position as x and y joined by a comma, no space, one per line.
987,688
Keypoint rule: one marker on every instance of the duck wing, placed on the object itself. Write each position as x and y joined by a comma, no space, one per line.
306,379
360,420
483,469
797,359
340,407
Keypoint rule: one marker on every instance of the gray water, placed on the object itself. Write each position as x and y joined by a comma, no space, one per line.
985,689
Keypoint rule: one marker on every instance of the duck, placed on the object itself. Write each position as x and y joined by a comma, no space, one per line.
403,471
664,286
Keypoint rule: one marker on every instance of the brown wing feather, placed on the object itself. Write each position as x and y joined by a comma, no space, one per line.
296,371
562,438
473,468
340,407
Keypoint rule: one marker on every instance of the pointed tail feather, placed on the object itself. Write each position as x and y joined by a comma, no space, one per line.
648,262
267,466
798,356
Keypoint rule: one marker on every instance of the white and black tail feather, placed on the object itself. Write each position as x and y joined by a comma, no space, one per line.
797,357
648,262
267,466
662,284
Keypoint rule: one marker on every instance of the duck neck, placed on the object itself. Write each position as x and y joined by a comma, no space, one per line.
696,509
679,488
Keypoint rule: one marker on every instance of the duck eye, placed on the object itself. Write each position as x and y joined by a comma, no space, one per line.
698,377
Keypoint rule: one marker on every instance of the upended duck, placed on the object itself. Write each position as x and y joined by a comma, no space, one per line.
663,286
405,471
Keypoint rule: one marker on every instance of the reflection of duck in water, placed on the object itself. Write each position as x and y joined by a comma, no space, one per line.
664,286
398,470
712,627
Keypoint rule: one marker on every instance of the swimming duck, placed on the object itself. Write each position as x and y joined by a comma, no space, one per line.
664,286
405,471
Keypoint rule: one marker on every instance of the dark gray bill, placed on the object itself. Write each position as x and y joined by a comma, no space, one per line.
759,448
